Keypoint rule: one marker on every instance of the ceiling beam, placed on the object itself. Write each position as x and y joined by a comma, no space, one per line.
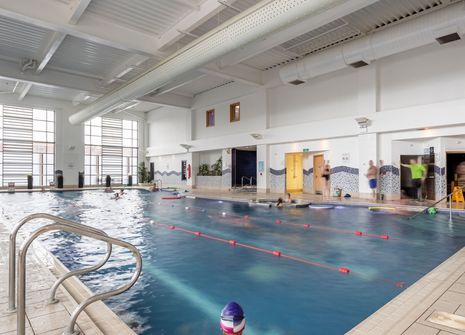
24,90
50,78
239,73
48,48
207,10
125,67
179,82
89,27
170,100
193,4
293,30
77,8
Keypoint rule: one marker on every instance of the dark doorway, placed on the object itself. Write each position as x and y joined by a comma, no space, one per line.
408,191
244,164
152,171
455,171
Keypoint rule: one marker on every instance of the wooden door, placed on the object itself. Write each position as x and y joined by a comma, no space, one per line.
318,166
294,172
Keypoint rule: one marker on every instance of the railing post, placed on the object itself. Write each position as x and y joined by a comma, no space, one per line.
450,207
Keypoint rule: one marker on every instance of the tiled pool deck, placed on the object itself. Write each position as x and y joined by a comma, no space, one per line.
434,305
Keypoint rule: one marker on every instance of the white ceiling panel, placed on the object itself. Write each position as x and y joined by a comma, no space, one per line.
377,16
154,17
53,92
19,40
78,55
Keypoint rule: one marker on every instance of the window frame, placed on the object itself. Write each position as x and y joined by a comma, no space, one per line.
233,114
207,117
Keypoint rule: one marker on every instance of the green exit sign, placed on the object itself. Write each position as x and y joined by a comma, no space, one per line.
306,150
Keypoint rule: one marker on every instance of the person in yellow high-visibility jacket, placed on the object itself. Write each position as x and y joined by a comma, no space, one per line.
418,174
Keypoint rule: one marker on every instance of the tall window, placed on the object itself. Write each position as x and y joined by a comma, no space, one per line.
210,115
111,148
235,112
27,145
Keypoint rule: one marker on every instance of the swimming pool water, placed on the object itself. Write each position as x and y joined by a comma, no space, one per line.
187,279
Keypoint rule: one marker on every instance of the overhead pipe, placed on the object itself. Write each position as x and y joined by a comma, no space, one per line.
254,23
445,24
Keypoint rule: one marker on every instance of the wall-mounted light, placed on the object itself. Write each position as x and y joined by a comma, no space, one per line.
363,122
257,136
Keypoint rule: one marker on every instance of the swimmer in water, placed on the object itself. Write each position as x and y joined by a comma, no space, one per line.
121,192
232,319
280,203
116,196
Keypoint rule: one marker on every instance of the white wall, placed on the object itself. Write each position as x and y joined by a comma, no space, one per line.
329,97
252,115
427,75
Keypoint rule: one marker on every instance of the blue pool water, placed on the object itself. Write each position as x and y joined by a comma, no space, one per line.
187,279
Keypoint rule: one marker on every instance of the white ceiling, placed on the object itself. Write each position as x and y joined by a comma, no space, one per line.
89,47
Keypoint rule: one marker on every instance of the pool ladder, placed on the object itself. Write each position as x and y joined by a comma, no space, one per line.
60,224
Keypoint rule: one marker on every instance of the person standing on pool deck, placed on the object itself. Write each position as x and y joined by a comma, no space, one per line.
326,174
372,175
418,173
232,319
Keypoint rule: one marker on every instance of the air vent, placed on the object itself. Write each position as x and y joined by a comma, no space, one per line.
358,64
448,38
297,82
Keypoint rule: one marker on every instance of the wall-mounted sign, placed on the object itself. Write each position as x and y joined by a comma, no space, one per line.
261,166
346,157
306,150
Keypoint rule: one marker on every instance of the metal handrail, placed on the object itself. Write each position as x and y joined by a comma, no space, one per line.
82,230
437,202
250,179
12,256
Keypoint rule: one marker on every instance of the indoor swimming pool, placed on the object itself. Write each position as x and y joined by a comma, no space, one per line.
295,271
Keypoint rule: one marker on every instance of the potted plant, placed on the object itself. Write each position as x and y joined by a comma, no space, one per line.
217,167
203,170
143,175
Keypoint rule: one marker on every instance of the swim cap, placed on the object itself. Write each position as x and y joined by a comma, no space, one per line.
232,319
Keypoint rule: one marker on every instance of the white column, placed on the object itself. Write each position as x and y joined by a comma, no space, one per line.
263,164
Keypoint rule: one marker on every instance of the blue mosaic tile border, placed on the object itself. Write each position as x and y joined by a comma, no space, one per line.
346,169
167,173
308,172
278,172
389,168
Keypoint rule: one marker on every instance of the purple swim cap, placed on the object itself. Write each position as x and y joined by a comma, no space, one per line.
232,319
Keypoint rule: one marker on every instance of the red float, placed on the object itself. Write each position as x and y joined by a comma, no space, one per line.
277,253
359,233
306,225
344,270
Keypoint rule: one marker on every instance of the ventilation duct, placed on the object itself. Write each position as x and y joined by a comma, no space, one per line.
256,22
443,25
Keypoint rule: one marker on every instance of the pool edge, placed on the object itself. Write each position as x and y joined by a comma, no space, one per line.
407,308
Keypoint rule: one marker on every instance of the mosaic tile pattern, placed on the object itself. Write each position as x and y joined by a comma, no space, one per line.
440,182
277,180
211,182
226,179
389,179
344,178
170,177
308,180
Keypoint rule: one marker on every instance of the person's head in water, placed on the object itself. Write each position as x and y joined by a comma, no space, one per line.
232,319
280,202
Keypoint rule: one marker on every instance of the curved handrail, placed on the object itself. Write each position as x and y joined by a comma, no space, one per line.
78,272
77,229
12,252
